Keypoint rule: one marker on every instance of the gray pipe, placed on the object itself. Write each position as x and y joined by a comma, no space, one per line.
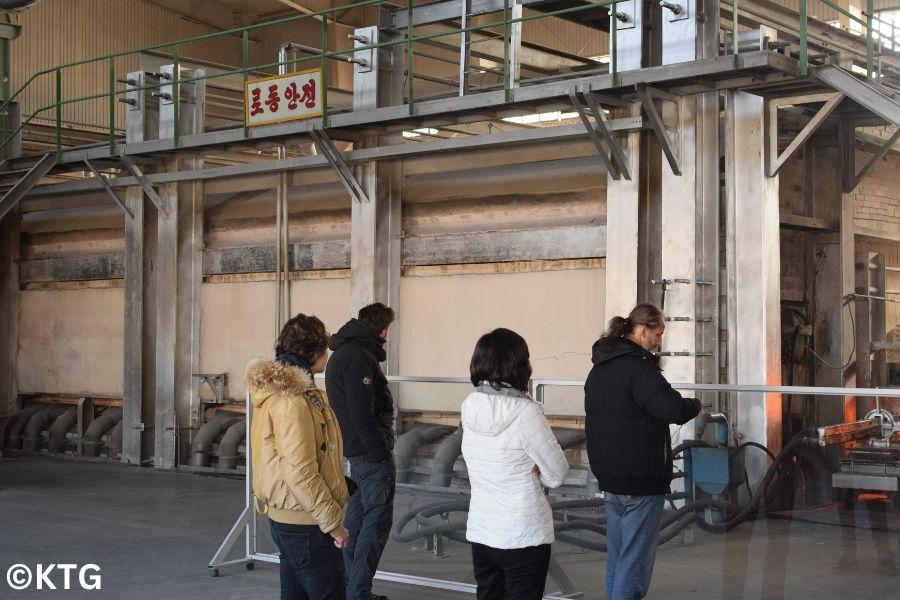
100,425
115,440
201,447
568,438
14,5
445,458
409,442
58,431
16,427
40,421
228,447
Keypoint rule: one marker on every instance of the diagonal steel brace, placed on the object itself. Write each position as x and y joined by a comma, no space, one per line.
145,185
853,178
327,148
775,161
108,188
593,130
615,148
648,96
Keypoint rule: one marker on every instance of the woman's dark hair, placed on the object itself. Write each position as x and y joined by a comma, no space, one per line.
501,359
645,314
377,316
304,336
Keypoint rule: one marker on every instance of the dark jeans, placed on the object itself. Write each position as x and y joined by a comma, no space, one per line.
515,574
311,565
368,518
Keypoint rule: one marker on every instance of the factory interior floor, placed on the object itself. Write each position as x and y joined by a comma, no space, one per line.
151,533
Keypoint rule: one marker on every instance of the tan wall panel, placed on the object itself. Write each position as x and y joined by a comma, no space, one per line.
559,313
71,342
238,321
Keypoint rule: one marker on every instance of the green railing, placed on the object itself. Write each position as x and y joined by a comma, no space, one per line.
871,25
112,94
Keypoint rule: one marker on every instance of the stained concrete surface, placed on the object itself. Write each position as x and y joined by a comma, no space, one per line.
152,534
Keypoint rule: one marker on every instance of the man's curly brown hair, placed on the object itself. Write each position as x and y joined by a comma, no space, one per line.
304,336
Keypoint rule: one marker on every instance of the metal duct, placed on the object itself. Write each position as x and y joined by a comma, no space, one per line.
14,5
201,447
36,425
115,440
16,427
59,429
100,426
409,442
444,459
228,447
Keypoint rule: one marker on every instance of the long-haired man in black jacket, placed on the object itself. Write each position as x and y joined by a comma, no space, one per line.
629,406
359,394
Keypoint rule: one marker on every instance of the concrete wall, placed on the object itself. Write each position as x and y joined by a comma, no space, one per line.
70,342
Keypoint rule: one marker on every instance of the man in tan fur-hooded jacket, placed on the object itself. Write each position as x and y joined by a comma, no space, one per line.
297,459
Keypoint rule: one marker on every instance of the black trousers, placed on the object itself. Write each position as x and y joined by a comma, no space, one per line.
514,574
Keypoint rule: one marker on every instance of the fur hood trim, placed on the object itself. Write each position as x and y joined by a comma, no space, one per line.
270,376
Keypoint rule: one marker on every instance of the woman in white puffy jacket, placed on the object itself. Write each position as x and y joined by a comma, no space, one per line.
510,453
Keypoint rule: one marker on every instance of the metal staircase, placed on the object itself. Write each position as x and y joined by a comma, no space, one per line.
877,98
18,176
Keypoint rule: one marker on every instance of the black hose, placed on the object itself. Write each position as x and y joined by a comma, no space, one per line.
669,527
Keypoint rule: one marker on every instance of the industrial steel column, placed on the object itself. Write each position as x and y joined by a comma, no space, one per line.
375,223
133,379
138,378
753,270
623,196
689,205
178,273
9,311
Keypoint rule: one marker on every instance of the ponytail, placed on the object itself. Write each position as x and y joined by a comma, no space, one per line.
645,314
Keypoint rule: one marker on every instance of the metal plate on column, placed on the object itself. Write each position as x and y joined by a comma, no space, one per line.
626,9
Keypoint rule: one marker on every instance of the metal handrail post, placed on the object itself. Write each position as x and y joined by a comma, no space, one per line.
324,71
614,43
734,30
804,49
58,114
112,106
870,47
410,69
507,30
245,67
176,96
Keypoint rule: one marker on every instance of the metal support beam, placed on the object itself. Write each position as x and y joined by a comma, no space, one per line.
753,272
145,184
670,147
9,311
108,189
327,149
133,376
623,201
774,160
21,187
595,130
850,177
375,228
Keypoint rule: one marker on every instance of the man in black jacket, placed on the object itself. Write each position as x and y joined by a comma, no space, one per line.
629,406
359,394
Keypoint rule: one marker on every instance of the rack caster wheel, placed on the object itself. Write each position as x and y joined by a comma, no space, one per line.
250,566
213,572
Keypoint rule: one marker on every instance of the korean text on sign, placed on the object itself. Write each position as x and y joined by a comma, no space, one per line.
283,98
